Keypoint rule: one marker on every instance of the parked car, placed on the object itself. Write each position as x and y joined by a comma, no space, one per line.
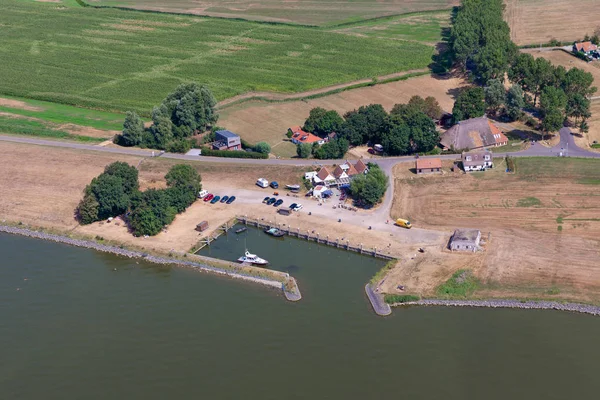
224,199
231,200
297,208
271,201
266,199
209,197
293,205
275,185
278,203
215,199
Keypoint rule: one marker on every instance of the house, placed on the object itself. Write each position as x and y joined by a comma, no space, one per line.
299,136
477,160
429,166
321,191
226,140
585,47
474,133
341,175
465,240
323,176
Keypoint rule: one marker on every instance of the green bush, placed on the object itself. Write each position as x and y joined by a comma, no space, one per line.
400,298
179,146
232,153
460,285
596,146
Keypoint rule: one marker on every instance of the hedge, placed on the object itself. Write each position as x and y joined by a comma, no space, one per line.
232,153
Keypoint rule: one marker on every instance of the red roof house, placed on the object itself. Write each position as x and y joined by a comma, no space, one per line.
300,136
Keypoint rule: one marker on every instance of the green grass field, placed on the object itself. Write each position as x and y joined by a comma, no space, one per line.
583,170
65,114
36,128
306,12
119,60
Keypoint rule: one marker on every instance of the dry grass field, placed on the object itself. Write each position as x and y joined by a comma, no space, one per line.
308,12
544,223
537,21
275,118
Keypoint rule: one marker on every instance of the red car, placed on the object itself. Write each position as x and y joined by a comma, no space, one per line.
209,197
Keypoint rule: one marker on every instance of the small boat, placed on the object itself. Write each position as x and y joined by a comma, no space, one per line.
274,232
252,259
242,229
292,187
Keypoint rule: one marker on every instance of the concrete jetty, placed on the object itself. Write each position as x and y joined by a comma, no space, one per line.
379,305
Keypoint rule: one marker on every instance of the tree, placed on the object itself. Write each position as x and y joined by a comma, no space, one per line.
578,107
191,106
133,129
334,149
422,135
365,124
553,120
162,127
432,108
153,211
369,189
128,174
397,140
110,194
429,106
87,210
584,127
322,122
184,175
262,147
303,150
495,95
552,98
469,104
514,102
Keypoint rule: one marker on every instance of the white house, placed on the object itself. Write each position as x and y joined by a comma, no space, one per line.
323,176
477,160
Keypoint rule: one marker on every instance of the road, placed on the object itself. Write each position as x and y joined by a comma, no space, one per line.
376,218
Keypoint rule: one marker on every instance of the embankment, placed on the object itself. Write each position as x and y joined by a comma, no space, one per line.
277,279
499,303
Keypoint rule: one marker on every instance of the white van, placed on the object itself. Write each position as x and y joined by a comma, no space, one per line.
202,194
262,182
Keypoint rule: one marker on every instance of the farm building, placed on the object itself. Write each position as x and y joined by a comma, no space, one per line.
477,160
465,240
584,47
227,140
429,166
299,136
474,133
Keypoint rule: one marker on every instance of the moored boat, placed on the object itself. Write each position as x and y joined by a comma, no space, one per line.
242,229
249,258
274,232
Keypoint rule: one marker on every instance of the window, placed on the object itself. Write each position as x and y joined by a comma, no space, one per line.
487,157
420,170
468,158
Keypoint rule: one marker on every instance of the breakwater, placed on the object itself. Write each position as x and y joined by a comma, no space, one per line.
380,307
524,305
279,282
315,238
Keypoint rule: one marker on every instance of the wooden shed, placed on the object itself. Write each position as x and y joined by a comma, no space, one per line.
202,226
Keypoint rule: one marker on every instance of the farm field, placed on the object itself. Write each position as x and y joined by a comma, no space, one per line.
543,222
275,118
536,21
118,60
307,12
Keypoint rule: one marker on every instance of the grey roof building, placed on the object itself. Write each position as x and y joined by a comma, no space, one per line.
474,133
477,160
227,140
465,240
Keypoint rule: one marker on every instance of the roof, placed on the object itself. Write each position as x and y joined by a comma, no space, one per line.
323,173
477,157
471,134
337,172
351,171
468,235
426,163
585,46
227,134
318,188
360,166
303,137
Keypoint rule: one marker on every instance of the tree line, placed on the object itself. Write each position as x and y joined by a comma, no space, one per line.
480,44
406,129
116,192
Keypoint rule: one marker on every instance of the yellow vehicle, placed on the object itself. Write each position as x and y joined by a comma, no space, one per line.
403,223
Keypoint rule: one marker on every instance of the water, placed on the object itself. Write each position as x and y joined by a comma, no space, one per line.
78,329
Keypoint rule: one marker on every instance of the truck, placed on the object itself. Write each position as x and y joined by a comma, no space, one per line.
403,223
262,182
202,194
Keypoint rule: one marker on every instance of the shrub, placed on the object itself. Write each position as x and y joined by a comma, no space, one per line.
461,284
179,146
232,153
400,298
262,147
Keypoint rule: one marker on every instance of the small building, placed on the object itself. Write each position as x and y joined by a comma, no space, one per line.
227,140
429,166
323,177
477,160
465,240
321,191
584,47
300,136
284,211
202,226
474,133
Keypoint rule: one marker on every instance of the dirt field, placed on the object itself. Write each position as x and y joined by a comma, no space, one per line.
275,118
299,11
534,21
543,223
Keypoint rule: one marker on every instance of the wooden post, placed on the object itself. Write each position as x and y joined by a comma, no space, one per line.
361,248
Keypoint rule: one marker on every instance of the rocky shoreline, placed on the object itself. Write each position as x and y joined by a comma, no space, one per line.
525,305
136,254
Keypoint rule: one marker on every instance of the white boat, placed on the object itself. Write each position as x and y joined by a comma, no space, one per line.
252,259
292,187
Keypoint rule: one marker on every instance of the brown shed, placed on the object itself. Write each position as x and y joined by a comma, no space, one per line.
429,166
202,226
